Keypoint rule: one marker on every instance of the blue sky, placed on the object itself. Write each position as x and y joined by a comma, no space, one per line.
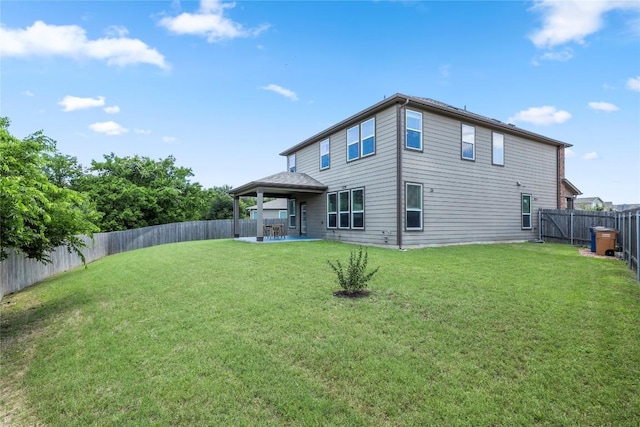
225,87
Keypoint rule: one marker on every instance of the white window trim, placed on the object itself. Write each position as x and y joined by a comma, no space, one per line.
353,211
355,142
407,209
334,193
406,121
462,142
493,148
372,135
291,213
340,211
328,153
522,196
292,163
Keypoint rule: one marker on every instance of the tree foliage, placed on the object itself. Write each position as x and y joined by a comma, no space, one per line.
36,215
220,204
134,192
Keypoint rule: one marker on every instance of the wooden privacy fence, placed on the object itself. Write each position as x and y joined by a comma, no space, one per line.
18,272
564,226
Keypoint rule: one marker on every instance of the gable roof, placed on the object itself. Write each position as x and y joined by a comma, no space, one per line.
572,188
427,104
282,183
585,200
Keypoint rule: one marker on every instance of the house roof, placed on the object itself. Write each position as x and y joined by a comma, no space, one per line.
279,184
432,105
572,188
589,200
277,204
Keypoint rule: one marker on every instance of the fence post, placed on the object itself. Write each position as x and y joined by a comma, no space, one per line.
624,236
638,245
630,245
571,227
539,224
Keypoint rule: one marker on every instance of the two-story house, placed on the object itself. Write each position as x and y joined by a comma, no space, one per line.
411,171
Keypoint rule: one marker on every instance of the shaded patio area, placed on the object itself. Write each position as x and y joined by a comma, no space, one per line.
279,185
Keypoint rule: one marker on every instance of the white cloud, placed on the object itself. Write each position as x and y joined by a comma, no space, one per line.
603,106
168,139
112,110
569,153
142,131
108,128
590,156
572,20
634,83
210,22
287,93
545,115
560,56
28,93
116,31
72,103
71,41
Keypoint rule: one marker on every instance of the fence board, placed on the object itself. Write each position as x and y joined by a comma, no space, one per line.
18,272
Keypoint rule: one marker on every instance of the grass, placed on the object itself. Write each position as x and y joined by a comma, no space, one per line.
229,333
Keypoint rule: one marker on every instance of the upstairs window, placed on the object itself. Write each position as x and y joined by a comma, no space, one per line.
282,214
526,211
497,144
361,140
353,143
332,210
413,138
292,163
468,142
343,207
368,131
357,208
324,154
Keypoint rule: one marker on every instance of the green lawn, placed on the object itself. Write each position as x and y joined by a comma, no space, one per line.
231,333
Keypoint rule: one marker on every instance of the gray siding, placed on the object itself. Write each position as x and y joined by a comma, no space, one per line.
476,201
376,174
464,201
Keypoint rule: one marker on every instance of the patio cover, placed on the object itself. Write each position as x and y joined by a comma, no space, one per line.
282,184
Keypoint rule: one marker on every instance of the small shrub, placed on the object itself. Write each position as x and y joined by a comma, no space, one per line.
354,279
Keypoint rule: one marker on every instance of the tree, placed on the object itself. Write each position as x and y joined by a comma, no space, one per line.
134,192
62,170
36,215
220,204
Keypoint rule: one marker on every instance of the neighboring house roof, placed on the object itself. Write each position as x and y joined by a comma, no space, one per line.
589,200
277,204
572,188
426,104
279,184
627,206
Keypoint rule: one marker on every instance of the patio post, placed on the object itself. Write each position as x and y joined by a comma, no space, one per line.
260,224
236,217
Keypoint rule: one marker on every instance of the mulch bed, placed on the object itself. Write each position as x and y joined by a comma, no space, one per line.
587,252
344,294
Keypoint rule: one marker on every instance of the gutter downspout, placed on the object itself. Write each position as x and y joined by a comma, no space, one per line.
399,172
